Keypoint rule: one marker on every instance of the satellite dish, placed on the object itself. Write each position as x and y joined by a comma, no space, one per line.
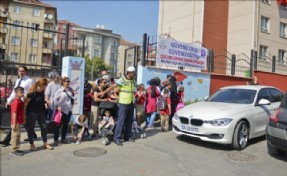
45,16
50,17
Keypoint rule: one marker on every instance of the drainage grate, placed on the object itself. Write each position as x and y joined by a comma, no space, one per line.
90,152
238,156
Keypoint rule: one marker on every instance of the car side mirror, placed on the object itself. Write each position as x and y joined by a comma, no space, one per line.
264,102
205,98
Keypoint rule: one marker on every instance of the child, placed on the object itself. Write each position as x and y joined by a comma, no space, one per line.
17,119
87,106
164,113
106,126
80,123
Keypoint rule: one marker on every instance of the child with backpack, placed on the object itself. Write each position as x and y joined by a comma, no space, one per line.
164,105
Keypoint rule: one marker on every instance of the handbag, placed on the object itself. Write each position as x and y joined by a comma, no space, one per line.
179,106
58,117
71,98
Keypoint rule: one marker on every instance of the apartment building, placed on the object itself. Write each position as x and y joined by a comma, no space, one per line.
32,43
60,38
127,56
99,42
234,26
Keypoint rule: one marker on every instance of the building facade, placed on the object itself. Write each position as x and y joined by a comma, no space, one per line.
127,56
99,42
229,27
24,36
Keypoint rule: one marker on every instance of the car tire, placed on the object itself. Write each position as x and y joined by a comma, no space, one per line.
274,151
240,136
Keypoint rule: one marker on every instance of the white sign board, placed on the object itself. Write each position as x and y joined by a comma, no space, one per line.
74,68
178,54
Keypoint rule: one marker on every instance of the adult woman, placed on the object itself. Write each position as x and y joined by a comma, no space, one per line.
64,102
98,97
34,106
51,89
152,93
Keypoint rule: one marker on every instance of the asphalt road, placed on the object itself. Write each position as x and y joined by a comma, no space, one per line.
160,154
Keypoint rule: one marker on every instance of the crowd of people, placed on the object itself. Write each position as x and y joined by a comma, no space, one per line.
107,104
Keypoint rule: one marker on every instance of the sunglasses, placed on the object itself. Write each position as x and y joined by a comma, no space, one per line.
67,81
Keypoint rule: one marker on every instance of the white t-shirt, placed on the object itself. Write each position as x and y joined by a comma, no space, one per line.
76,121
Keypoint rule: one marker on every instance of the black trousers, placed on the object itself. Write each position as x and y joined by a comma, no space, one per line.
32,117
64,125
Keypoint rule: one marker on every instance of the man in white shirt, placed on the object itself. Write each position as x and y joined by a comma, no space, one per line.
25,82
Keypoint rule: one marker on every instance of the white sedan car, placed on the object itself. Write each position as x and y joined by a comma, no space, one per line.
232,115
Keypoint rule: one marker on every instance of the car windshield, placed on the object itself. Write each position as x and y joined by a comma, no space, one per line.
284,102
239,96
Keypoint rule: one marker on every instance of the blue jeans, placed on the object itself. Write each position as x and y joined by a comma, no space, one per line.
150,119
124,120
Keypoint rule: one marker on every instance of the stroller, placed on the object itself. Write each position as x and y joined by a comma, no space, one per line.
107,111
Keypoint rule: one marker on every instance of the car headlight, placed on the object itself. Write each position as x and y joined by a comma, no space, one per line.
175,116
219,122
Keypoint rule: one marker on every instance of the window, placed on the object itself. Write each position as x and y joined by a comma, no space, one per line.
97,53
281,56
32,58
130,56
263,52
114,42
265,24
16,23
46,59
98,39
15,40
263,94
266,2
36,26
113,56
47,45
36,12
283,28
130,64
17,9
34,43
276,95
14,56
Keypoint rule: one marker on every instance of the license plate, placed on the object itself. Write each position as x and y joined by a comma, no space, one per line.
189,128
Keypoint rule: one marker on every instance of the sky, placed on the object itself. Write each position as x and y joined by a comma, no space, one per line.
130,19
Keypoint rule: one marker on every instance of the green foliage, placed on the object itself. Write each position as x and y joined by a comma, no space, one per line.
94,66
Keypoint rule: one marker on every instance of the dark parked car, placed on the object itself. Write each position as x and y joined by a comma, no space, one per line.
276,130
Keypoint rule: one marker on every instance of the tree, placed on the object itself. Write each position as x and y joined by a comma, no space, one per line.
94,66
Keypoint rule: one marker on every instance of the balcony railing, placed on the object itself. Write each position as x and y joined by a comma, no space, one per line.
47,35
3,30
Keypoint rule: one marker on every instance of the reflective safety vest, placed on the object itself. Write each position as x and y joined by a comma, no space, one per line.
127,91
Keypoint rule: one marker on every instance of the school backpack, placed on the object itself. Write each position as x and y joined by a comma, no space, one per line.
161,103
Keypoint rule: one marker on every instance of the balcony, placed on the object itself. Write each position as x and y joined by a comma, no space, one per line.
3,30
3,46
47,35
47,50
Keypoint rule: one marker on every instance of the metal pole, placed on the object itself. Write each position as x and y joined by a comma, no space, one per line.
67,38
251,64
144,49
273,64
61,53
125,60
233,58
83,49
